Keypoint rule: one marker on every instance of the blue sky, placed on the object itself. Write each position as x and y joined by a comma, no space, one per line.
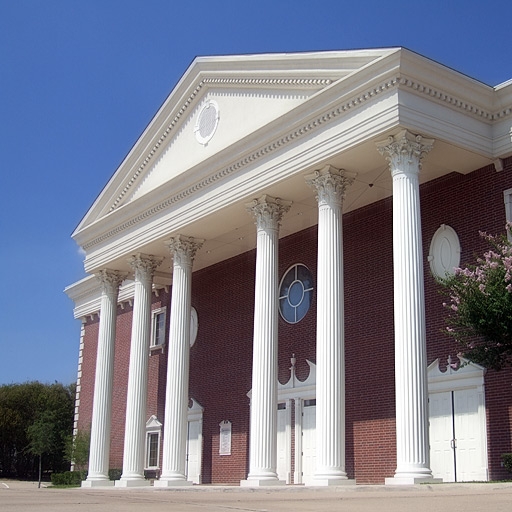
80,80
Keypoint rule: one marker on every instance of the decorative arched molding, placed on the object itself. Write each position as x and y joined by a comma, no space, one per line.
195,410
458,375
153,424
295,388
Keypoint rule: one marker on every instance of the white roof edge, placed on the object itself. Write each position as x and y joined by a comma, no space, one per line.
312,55
86,294
507,83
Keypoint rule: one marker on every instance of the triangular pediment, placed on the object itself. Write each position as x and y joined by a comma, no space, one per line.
238,112
249,93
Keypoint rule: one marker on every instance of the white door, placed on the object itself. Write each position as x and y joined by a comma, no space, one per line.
470,436
283,444
194,458
194,441
441,435
457,435
308,440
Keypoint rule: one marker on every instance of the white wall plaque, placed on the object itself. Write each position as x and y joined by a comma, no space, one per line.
225,438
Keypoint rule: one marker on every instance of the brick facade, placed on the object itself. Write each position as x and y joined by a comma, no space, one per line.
221,358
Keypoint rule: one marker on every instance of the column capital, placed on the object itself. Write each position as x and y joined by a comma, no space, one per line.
110,280
404,151
330,184
268,211
184,248
144,266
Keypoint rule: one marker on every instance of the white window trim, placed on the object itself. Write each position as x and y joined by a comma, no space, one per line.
153,426
154,324
507,196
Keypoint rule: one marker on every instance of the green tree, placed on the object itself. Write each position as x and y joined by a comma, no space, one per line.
480,305
77,449
42,438
22,405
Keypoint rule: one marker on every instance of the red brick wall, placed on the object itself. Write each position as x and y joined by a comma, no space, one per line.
88,371
369,343
221,359
221,362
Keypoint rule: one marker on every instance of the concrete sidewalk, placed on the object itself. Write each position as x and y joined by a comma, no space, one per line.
490,497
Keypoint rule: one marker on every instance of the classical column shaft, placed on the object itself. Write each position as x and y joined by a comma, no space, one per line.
135,425
404,152
330,185
183,250
102,404
263,427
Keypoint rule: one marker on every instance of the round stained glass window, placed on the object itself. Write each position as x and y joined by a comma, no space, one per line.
295,293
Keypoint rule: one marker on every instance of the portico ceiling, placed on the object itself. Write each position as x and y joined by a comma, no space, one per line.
231,231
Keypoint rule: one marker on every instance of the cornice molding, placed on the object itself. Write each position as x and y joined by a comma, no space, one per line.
298,83
450,99
391,82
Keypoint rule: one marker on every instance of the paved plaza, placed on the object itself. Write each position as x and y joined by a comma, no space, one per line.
491,497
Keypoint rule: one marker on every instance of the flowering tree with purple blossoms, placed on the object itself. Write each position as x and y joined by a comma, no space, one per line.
480,305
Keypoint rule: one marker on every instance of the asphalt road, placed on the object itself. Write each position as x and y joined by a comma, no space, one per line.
489,497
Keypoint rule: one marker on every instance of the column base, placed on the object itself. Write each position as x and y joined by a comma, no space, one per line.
172,483
133,482
98,483
328,482
412,480
261,482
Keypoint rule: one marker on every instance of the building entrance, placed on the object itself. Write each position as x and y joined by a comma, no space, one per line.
458,437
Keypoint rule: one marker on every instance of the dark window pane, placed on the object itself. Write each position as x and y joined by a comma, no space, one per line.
287,311
295,293
153,450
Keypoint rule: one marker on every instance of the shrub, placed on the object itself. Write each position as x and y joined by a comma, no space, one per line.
115,474
70,478
507,461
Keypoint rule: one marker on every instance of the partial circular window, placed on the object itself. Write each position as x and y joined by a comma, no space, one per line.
295,293
207,122
194,325
444,255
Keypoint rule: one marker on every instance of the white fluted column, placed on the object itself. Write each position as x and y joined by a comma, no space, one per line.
330,185
102,405
404,153
135,425
183,250
268,212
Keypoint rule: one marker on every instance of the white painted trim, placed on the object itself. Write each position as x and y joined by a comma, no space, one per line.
153,426
466,375
507,196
